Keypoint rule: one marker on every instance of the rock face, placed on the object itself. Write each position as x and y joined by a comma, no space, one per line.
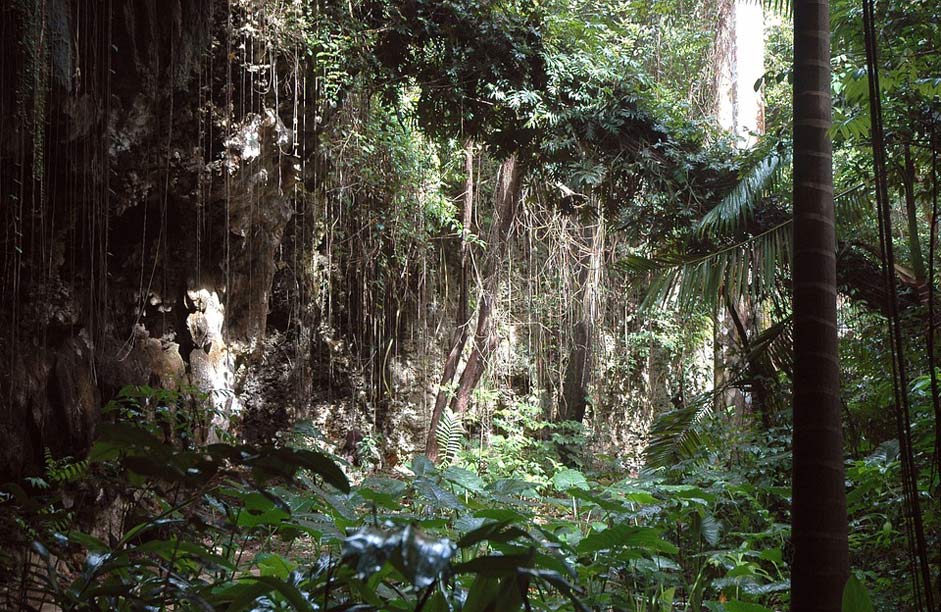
146,201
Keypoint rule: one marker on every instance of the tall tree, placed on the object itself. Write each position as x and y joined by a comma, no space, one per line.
820,562
506,203
462,323
584,313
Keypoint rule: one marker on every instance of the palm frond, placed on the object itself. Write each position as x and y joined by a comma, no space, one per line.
745,268
679,434
737,208
775,344
450,436
851,207
783,7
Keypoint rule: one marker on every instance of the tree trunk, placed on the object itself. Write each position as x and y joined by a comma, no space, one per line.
578,368
460,334
506,203
740,110
729,356
820,563
740,62
914,242
577,373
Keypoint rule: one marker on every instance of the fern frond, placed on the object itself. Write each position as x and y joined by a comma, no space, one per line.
37,482
450,436
63,470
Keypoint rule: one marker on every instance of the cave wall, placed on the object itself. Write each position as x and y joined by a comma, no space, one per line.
146,187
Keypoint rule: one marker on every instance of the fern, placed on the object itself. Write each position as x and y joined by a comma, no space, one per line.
67,469
37,482
450,435
680,434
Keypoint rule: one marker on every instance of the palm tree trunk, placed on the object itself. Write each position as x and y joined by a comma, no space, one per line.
820,563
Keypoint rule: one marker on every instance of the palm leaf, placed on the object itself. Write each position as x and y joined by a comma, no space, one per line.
851,207
775,345
737,208
679,434
745,269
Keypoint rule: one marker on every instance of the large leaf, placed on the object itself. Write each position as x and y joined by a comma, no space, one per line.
496,565
437,496
465,479
567,478
318,463
737,208
625,536
501,531
746,268
421,559
856,597
267,584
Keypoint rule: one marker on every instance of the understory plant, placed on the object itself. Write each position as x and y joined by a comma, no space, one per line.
228,526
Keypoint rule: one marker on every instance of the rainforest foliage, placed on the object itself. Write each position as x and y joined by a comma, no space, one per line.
456,305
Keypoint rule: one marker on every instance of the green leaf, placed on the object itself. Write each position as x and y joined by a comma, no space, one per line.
272,564
260,510
666,599
561,584
495,565
482,594
321,465
856,597
465,479
437,603
437,496
495,532
625,536
569,479
288,591
422,466
742,606
603,501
